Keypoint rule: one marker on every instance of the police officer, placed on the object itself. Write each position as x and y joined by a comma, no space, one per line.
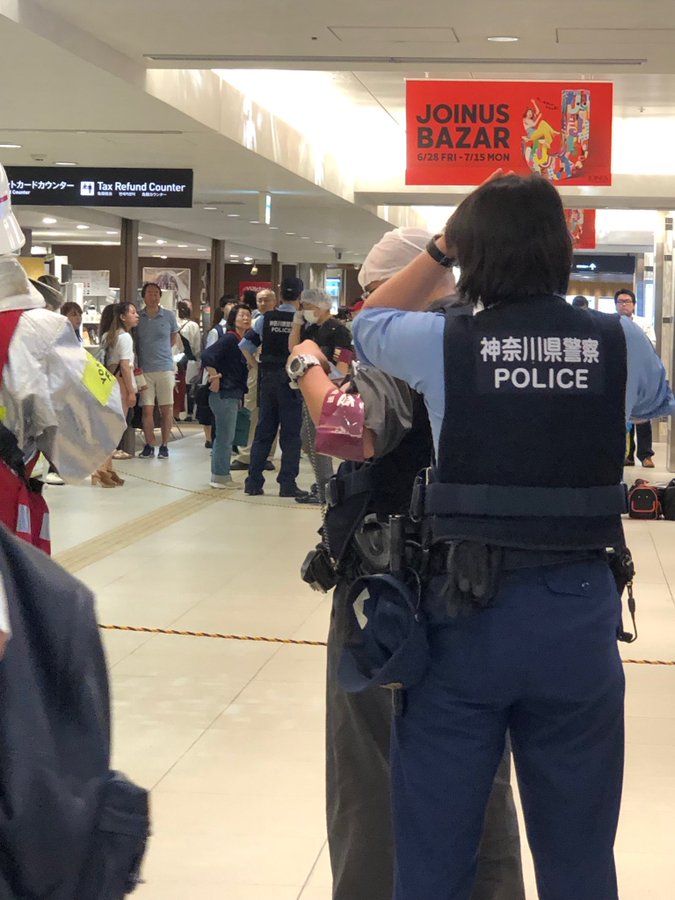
524,614
280,407
361,498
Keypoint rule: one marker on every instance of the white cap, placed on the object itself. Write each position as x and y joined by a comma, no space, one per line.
316,298
392,253
11,236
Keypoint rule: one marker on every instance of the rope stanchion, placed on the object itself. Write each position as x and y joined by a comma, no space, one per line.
140,629
208,634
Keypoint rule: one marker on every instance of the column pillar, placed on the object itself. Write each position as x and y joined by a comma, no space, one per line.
313,275
217,280
664,312
275,273
129,260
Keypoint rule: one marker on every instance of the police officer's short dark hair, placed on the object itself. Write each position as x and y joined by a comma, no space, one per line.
511,241
624,291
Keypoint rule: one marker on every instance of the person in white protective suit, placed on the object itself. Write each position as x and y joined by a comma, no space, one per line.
55,398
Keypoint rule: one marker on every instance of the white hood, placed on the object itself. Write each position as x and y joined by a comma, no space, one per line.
16,291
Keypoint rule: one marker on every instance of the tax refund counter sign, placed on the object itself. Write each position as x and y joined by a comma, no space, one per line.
459,132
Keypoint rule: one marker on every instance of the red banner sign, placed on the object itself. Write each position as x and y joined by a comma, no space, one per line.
253,286
581,224
459,132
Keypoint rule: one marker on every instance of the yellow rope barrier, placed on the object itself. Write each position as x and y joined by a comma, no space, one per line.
296,641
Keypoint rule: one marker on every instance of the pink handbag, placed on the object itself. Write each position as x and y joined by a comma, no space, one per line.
340,429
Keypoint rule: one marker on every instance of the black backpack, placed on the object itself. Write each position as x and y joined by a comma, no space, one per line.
668,501
644,501
187,349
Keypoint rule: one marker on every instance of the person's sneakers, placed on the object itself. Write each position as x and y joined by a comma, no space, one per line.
163,452
208,444
122,454
646,463
147,452
53,478
292,491
308,499
628,461
225,484
236,466
269,466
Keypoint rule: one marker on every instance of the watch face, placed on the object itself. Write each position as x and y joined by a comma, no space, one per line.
297,365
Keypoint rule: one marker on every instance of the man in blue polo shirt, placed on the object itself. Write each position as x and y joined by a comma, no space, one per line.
157,332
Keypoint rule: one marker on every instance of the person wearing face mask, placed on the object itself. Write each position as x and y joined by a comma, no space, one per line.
315,322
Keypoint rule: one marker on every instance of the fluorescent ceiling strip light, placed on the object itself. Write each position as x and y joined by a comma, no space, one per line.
548,61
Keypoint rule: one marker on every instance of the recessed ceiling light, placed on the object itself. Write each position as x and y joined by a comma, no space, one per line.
233,215
503,39
65,163
318,242
274,227
290,233
107,243
161,241
183,246
234,256
82,227
201,249
140,237
248,259
10,146
49,220
255,222
107,232
304,238
210,207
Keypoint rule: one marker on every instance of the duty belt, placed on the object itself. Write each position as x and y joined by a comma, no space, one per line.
341,487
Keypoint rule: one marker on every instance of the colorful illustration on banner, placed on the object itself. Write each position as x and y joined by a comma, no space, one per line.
581,225
558,154
459,132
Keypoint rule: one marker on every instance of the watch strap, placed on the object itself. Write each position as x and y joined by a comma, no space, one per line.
437,254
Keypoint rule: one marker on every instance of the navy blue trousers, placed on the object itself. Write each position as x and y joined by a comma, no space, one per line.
280,410
543,663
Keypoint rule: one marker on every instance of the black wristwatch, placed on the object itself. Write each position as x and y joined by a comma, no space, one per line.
437,254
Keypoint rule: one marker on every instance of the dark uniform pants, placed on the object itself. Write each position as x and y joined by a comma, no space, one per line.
543,664
643,432
280,410
358,730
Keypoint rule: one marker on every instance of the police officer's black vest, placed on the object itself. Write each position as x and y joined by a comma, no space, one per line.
533,438
277,327
383,486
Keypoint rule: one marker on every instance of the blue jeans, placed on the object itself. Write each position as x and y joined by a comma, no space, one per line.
224,411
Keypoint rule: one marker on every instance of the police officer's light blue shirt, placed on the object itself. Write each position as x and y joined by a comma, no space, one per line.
409,346
155,336
257,325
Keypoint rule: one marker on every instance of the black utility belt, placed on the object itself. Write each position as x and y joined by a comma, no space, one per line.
441,556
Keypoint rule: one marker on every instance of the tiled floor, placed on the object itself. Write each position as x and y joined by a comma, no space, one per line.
229,735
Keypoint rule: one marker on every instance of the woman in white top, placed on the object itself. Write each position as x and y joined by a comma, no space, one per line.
190,350
119,359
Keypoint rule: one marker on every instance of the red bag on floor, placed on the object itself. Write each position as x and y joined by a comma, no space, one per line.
644,501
